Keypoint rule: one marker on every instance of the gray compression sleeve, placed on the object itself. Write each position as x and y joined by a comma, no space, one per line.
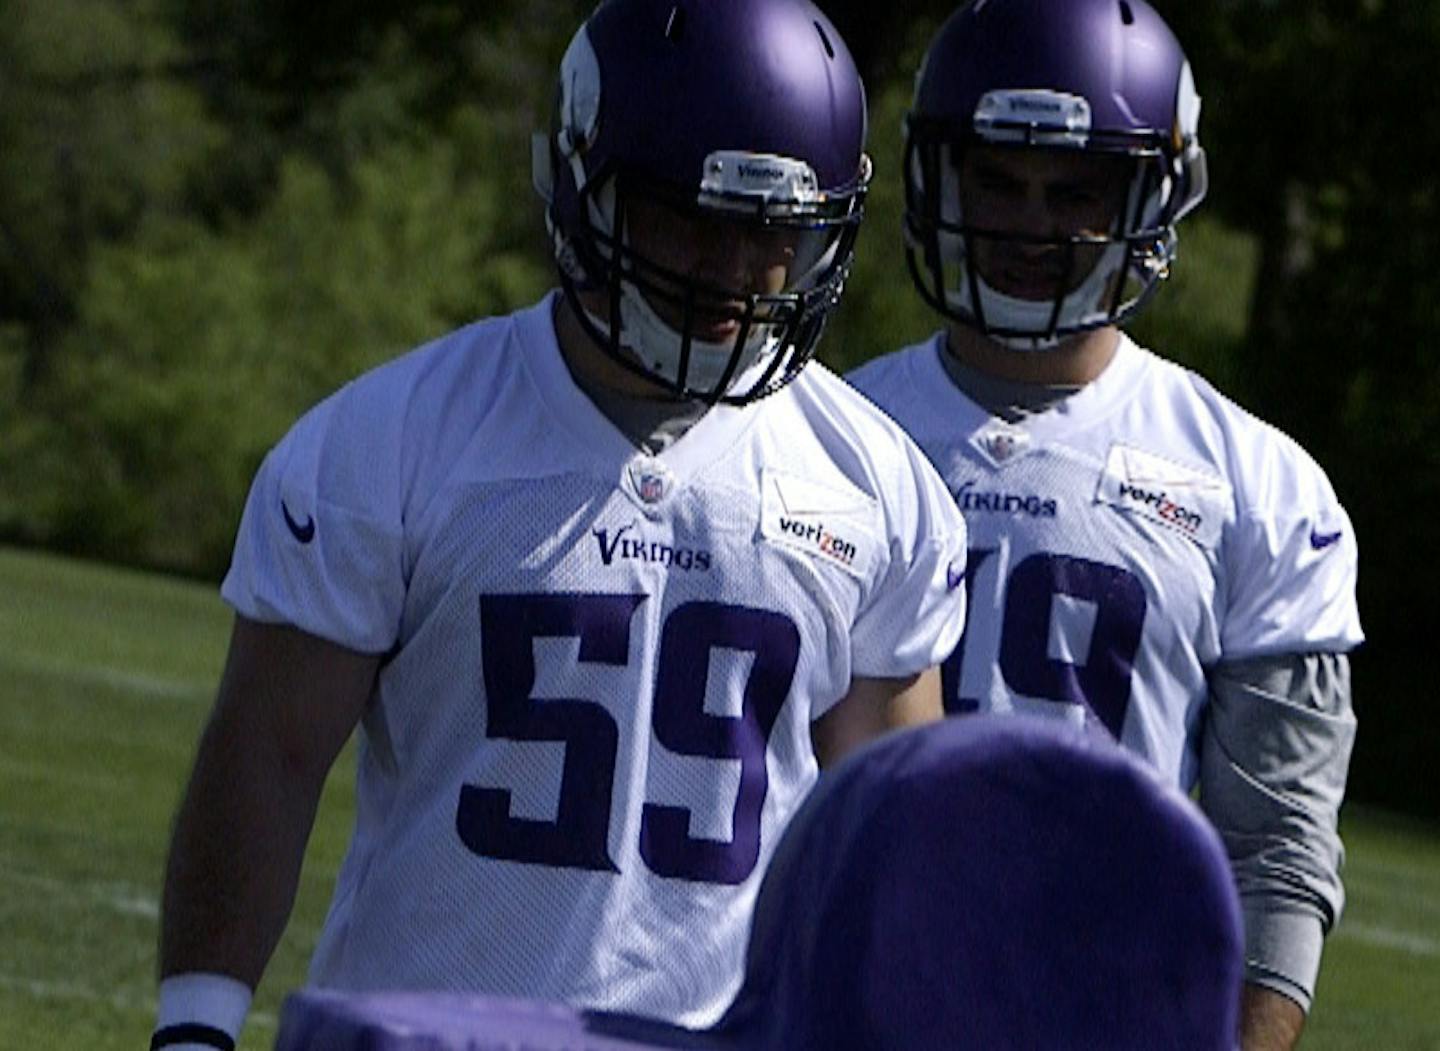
1273,762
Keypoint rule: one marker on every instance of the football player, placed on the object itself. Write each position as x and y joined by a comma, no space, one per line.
603,582
1147,559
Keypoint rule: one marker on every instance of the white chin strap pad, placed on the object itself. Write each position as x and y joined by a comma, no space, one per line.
1080,307
646,335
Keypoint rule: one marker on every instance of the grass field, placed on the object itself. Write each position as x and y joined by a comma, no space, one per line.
105,679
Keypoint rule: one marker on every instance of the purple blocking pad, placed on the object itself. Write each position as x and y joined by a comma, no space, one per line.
988,882
994,882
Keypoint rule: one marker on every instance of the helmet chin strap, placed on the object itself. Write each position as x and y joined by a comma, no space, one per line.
1000,311
656,346
646,335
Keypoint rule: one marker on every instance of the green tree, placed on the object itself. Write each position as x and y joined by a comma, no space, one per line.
93,133
195,347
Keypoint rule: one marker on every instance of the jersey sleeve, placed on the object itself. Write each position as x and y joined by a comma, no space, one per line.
915,612
321,542
1291,563
1275,753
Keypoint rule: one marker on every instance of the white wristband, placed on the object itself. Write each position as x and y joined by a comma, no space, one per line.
200,1012
1282,950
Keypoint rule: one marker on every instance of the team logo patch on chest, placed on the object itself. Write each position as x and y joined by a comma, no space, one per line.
834,525
1192,502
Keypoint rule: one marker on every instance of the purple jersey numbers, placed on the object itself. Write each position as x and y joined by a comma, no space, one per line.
690,633
509,626
951,667
1100,680
579,835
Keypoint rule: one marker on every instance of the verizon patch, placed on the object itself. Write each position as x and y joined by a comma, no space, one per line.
1191,502
834,525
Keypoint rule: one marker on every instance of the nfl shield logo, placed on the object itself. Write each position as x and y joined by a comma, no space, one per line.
650,480
1002,443
1000,446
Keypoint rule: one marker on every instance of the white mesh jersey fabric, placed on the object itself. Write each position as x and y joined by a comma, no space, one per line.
594,718
1123,542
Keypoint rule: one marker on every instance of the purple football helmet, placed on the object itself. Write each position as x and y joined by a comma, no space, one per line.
742,125
1101,77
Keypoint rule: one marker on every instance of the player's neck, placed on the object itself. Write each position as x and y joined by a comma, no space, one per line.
1075,362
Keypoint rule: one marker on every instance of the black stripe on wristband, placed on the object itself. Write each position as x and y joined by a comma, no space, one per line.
192,1033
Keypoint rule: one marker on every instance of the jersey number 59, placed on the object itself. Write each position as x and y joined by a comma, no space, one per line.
579,835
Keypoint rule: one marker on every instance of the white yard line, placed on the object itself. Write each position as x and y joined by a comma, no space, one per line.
121,1000
1387,938
40,989
152,686
118,897
124,898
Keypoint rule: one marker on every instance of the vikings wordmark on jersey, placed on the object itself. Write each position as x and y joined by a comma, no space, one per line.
604,665
1124,542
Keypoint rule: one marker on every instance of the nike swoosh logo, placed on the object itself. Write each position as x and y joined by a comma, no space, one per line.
953,579
303,533
1320,541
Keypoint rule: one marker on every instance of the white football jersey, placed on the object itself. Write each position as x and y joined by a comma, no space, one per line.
593,719
1122,543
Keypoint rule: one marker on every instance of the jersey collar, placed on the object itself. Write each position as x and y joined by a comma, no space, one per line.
1094,402
596,440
